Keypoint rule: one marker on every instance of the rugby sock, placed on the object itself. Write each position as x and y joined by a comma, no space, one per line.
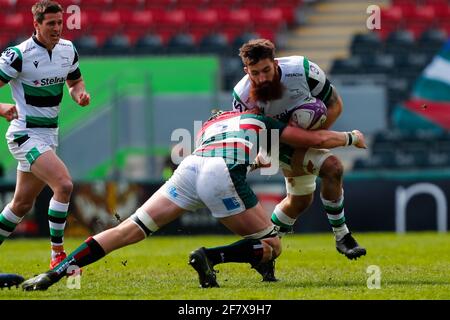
57,215
89,252
282,220
246,250
336,217
8,222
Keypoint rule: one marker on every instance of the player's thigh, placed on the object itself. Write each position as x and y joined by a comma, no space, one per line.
301,161
50,168
223,188
181,188
253,223
161,209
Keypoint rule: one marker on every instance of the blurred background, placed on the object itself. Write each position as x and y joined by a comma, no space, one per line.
153,66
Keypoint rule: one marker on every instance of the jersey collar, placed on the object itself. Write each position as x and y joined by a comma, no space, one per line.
35,39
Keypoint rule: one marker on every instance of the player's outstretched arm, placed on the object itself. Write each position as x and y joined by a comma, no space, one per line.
77,90
298,137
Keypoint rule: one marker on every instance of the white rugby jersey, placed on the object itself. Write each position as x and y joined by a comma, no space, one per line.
302,80
37,77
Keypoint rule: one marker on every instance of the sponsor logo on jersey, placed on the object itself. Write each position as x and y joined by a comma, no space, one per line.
314,69
295,74
36,63
231,203
29,49
64,44
173,192
49,81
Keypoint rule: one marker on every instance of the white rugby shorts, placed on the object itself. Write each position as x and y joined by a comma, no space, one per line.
209,182
26,147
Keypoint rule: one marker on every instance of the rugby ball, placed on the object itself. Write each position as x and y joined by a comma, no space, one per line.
310,115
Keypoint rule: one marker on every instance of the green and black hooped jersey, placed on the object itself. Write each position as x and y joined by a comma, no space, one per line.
37,77
234,136
302,80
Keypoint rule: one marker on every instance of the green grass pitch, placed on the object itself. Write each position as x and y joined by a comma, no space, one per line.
413,266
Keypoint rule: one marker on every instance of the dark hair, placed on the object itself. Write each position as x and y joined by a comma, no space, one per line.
255,50
42,7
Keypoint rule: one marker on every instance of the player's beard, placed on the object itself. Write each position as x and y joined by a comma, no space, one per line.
267,91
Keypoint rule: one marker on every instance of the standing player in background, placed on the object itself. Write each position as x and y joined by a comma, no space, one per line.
214,176
276,87
37,70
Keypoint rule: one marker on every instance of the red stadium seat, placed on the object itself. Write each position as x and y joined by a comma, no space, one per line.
403,2
223,4
140,20
270,19
190,4
159,4
203,19
391,17
174,20
266,33
424,14
134,5
67,3
257,3
236,17
14,23
417,28
24,5
7,5
95,4
408,10
289,8
442,12
109,20
4,40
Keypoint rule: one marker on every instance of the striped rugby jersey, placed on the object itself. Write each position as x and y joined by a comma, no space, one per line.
234,136
37,77
302,79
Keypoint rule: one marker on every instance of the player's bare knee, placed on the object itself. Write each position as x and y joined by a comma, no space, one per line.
332,168
64,187
129,233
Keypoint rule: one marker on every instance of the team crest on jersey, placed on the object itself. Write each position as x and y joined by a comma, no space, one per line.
314,69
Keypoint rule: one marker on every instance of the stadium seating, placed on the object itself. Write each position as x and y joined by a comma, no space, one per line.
134,19
411,34
395,149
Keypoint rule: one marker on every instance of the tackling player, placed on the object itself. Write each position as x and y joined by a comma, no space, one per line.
214,176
